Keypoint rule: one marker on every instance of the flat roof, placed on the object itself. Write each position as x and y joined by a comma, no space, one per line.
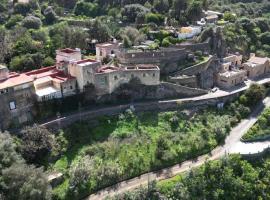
228,74
258,60
69,50
107,44
46,91
106,69
86,62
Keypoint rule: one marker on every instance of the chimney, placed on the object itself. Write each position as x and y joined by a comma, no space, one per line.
251,55
4,72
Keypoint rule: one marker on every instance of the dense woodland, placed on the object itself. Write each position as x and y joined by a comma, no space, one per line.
30,33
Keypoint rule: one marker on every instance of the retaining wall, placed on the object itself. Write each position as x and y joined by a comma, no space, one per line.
190,81
255,156
149,57
204,46
196,69
139,107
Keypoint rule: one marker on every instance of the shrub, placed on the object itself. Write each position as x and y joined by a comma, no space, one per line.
32,22
254,94
36,143
13,20
154,18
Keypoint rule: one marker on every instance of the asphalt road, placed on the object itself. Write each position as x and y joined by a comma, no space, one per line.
233,139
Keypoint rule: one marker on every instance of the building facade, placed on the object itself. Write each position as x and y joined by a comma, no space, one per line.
230,74
106,50
256,66
108,78
17,97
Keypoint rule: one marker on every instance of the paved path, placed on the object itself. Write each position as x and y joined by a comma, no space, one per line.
229,147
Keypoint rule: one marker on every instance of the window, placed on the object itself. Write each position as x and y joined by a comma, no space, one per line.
132,75
71,87
115,77
144,75
12,105
154,74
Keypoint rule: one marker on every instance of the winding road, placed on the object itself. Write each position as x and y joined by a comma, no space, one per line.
232,145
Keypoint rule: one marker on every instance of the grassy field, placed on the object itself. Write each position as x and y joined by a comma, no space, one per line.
111,149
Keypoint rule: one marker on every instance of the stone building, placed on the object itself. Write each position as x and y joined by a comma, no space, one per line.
108,78
256,66
106,50
231,78
230,75
65,55
84,71
52,83
17,97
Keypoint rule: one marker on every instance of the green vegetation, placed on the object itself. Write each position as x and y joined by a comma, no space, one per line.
18,179
229,178
97,154
261,130
31,32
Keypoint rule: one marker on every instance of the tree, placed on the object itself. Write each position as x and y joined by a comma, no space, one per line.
8,154
36,143
50,15
131,36
13,20
79,176
21,181
154,18
179,6
22,8
32,22
162,6
131,11
98,30
194,10
265,38
254,94
228,16
86,8
48,61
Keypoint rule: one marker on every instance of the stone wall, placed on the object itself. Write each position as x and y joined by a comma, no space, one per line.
24,101
191,46
139,107
196,69
184,90
152,57
190,81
